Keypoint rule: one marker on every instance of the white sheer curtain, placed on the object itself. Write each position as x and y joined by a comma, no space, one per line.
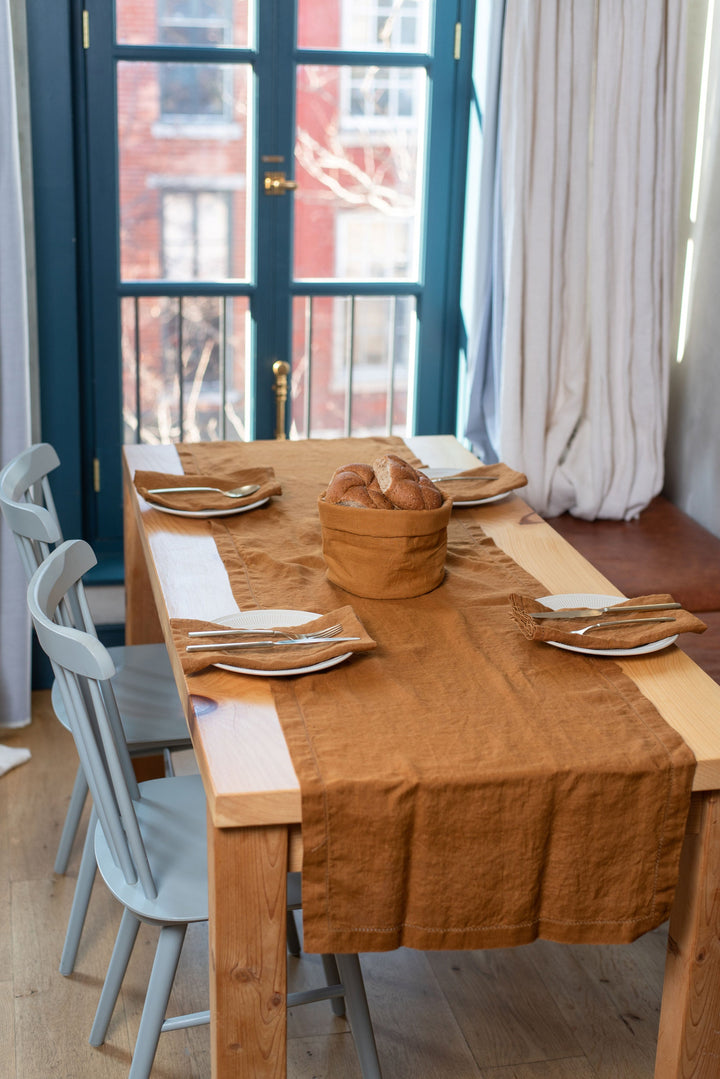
485,263
14,401
591,123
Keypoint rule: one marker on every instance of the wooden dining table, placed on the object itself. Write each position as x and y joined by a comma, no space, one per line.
173,570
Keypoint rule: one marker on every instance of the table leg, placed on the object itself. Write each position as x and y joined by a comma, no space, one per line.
248,965
689,1037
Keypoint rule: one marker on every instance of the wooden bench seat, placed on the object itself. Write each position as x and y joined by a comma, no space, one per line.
663,550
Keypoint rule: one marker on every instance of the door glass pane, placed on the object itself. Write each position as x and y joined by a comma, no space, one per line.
182,151
396,25
184,22
359,152
352,365
185,368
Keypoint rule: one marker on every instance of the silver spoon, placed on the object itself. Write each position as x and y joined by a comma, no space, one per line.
235,492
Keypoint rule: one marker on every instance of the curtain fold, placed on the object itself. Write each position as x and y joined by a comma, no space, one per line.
14,398
590,138
482,428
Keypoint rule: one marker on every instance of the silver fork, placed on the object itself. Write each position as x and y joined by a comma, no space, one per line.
620,622
273,632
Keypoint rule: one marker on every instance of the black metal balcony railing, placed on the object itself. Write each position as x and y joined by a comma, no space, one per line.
187,365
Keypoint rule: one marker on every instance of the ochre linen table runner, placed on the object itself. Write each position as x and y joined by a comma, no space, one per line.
462,786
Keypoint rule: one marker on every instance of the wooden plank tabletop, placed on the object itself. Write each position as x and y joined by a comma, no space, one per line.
238,740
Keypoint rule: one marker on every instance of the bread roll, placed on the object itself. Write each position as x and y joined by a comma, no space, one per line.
380,502
404,486
355,485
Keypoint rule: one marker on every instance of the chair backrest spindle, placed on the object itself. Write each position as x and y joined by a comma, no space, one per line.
83,668
28,507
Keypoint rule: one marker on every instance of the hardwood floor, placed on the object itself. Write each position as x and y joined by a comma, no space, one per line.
540,1012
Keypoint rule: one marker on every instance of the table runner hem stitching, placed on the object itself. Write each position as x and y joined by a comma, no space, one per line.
219,526
498,925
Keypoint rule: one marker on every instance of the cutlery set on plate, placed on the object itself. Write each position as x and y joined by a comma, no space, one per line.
593,612
276,636
279,637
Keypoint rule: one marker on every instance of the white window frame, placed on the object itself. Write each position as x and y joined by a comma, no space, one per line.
225,25
367,377
382,76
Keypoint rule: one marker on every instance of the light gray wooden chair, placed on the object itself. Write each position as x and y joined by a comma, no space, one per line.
150,840
151,713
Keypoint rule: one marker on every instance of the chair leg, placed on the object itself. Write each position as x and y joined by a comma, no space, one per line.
72,821
124,943
293,940
81,899
159,987
359,1015
332,977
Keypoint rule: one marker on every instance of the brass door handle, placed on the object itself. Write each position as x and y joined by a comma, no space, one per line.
281,370
276,184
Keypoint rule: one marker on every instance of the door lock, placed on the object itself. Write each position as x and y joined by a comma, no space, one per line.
276,184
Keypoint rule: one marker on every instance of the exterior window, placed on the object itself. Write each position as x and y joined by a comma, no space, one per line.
195,246
199,92
195,235
388,24
381,94
370,247
382,98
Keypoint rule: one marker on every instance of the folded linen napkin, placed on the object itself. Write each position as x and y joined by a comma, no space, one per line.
472,487
206,500
11,757
632,636
284,658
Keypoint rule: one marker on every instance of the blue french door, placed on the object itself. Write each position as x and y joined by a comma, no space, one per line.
264,183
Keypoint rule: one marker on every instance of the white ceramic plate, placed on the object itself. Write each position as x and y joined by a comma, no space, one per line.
479,501
210,513
588,599
440,473
268,620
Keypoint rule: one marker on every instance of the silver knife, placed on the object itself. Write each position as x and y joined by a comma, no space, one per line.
591,612
265,644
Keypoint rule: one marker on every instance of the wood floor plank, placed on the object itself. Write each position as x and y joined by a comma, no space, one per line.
323,1058
631,975
617,1037
5,910
53,1014
39,793
567,1068
502,1007
416,1032
7,1028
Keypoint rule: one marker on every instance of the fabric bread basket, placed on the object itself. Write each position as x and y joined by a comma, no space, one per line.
384,554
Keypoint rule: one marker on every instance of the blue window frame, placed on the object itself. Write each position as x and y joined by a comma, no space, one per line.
196,50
